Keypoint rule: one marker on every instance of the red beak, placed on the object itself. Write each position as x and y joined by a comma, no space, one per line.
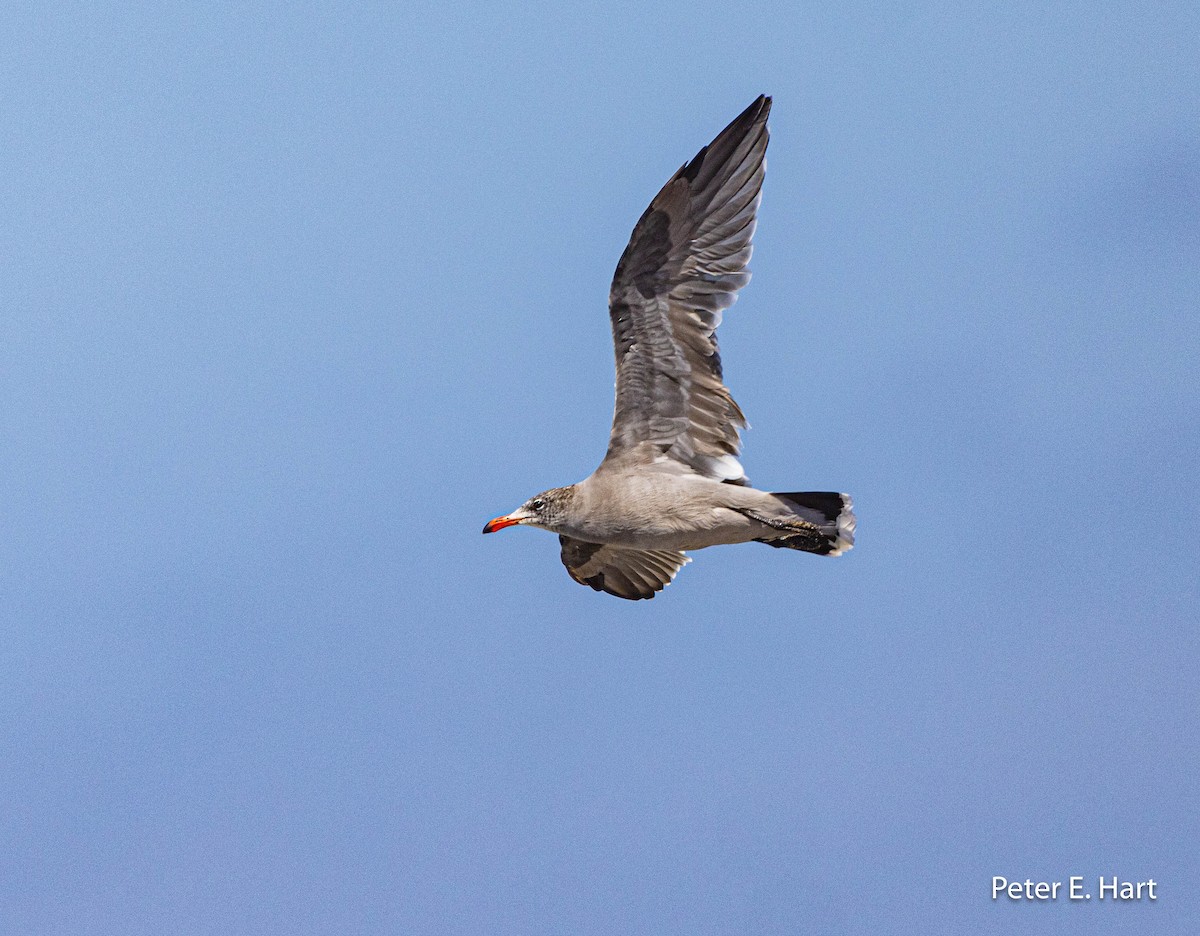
499,524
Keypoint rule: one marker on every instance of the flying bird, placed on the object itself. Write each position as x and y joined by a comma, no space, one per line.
671,480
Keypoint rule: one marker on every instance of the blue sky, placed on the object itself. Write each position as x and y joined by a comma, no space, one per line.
295,297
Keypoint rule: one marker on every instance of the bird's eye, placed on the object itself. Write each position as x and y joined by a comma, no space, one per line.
537,503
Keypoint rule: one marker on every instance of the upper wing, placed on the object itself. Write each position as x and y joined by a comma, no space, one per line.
626,573
683,267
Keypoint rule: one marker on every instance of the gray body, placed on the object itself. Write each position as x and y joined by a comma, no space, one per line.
661,509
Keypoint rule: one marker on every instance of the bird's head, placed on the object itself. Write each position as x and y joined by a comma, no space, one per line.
543,510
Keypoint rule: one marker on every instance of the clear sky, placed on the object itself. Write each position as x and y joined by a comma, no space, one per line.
294,297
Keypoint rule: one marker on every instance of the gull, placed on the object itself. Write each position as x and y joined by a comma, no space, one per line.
671,480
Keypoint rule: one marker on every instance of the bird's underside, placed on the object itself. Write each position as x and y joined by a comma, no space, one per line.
671,479
816,522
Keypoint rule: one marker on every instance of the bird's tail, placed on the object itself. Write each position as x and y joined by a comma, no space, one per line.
827,526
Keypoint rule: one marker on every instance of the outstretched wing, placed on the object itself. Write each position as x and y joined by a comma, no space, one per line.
683,267
626,573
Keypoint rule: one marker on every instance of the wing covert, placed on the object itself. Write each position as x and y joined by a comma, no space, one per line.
684,264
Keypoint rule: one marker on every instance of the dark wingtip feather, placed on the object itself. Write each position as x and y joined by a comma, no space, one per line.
738,128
